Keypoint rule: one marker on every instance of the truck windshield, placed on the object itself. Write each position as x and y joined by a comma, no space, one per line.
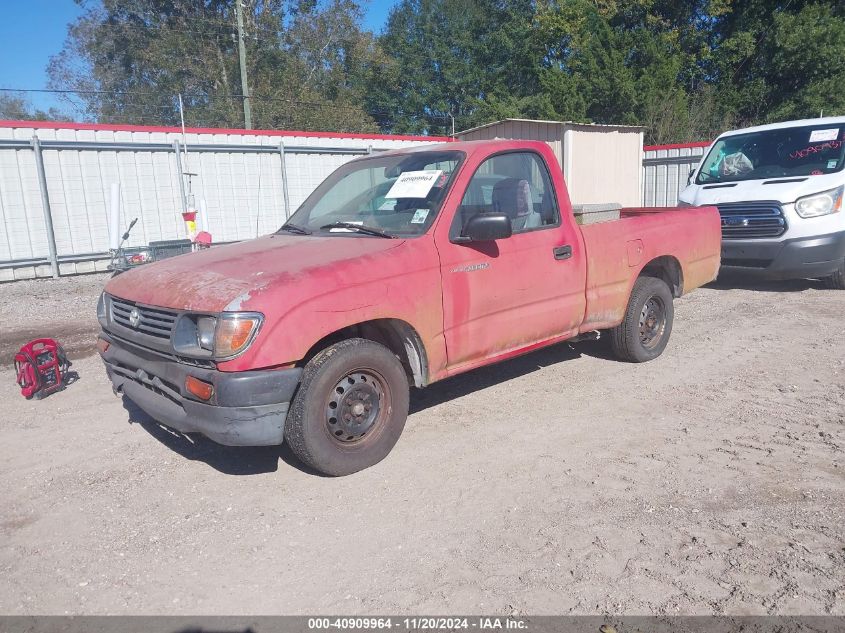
795,151
396,195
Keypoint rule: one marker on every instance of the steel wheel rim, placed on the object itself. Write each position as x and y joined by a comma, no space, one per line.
356,406
652,322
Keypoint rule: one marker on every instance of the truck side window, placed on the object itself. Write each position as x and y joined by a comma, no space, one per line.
516,184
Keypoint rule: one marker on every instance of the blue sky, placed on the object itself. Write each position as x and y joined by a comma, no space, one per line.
33,30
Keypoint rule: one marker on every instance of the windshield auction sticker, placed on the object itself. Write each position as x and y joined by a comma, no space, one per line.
414,184
817,136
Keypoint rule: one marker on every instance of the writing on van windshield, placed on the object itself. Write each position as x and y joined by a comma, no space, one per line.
414,184
815,149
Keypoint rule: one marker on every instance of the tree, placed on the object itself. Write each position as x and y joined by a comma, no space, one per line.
15,106
129,59
466,59
685,70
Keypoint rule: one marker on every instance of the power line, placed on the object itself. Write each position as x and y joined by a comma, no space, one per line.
171,100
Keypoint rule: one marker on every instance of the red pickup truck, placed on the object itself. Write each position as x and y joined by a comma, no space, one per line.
401,269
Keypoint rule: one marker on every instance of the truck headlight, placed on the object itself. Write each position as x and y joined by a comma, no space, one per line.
102,315
234,332
823,203
222,336
205,332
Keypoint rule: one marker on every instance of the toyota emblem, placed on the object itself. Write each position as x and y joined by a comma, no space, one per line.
134,318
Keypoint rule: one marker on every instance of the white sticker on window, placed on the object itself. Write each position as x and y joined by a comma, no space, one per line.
831,164
340,229
414,184
387,205
419,216
817,136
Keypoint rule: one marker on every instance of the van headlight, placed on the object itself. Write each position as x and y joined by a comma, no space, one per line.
221,336
823,203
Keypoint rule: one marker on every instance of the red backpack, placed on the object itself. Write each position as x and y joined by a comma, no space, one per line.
42,368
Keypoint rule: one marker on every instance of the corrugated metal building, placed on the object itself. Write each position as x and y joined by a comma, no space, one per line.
601,163
666,169
246,182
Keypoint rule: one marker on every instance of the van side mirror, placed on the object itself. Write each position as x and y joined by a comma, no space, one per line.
486,227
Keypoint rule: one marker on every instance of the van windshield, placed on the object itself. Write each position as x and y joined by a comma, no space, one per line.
796,151
393,195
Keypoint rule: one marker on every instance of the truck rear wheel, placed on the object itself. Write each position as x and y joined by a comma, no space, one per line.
350,408
837,279
644,332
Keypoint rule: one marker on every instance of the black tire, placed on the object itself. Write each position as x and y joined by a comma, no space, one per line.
837,280
645,330
350,408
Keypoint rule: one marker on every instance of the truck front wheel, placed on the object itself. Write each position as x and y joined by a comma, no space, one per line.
644,332
350,408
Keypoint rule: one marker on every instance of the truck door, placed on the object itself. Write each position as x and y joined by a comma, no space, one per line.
504,295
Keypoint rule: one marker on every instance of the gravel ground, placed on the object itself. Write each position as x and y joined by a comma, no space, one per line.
562,482
39,308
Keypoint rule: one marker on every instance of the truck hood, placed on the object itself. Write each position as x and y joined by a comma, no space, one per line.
768,189
237,276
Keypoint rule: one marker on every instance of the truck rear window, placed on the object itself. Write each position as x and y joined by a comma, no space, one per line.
396,194
794,151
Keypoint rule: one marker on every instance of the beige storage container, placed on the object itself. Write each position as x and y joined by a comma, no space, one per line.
601,163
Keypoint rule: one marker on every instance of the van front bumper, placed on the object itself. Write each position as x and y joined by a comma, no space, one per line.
247,408
799,258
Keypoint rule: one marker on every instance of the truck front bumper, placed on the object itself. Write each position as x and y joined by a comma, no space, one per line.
799,258
246,409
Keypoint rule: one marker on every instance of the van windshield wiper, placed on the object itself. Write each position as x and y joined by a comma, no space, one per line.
293,228
360,228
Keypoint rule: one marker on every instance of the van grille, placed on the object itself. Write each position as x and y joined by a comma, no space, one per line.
155,322
751,220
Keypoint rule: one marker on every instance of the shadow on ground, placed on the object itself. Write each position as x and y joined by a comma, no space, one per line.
493,375
230,460
740,281
254,460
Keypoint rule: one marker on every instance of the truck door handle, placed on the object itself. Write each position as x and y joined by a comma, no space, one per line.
562,252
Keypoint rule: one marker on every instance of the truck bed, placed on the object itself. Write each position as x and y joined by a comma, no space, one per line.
618,249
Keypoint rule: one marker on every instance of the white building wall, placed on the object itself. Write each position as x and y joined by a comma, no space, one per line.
242,192
601,163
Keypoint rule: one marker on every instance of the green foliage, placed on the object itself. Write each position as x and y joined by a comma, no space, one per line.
15,106
130,58
685,70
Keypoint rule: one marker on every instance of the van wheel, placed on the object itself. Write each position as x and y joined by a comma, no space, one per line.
644,332
350,408
837,280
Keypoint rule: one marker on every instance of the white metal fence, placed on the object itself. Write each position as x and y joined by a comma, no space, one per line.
55,181
666,169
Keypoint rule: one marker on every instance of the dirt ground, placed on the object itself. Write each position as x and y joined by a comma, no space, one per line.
708,481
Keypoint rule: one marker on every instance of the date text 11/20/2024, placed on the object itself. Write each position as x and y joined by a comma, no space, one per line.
421,623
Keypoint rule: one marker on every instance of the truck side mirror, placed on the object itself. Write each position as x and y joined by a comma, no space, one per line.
485,227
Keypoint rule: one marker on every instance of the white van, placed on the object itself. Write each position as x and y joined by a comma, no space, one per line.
779,191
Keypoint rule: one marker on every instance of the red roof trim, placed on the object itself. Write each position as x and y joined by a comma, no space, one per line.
63,125
650,148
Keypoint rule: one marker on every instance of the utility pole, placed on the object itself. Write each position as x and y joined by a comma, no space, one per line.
242,57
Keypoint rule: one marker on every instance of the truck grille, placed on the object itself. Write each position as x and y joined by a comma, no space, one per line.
751,220
155,322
